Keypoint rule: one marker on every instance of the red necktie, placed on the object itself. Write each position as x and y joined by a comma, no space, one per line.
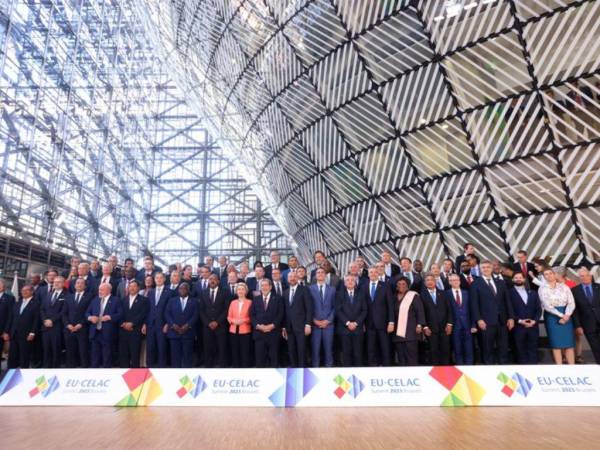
470,279
458,302
524,269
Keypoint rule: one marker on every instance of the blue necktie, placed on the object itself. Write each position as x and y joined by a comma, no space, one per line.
588,293
322,296
433,298
373,289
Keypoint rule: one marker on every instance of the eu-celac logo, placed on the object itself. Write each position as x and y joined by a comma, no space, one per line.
517,383
191,386
44,387
351,386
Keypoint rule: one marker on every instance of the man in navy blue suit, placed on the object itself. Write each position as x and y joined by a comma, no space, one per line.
463,327
6,305
380,319
279,284
298,308
493,313
181,315
104,315
266,313
91,284
75,322
22,328
213,309
351,312
323,297
527,310
134,311
439,318
155,327
51,317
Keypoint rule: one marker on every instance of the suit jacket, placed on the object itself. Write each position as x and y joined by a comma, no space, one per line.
272,315
586,314
174,315
494,309
284,286
91,286
395,270
113,308
7,302
136,313
380,309
416,284
21,324
114,283
438,314
300,312
156,311
141,275
269,270
464,282
531,310
235,314
323,309
53,312
210,312
42,292
350,310
121,288
461,315
75,314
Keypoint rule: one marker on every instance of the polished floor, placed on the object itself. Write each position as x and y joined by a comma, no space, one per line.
319,428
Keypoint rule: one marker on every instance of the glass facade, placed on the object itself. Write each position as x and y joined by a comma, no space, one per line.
412,126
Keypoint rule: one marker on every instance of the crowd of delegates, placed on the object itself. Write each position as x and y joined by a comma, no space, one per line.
457,312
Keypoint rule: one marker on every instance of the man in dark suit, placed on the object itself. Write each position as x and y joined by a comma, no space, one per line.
213,309
275,264
147,271
230,286
254,282
201,285
107,277
391,269
122,289
466,278
586,317
174,283
91,284
73,262
493,313
75,322
95,269
116,269
181,314
527,310
7,302
380,320
155,327
266,313
323,298
439,322
469,249
360,281
441,283
51,317
22,329
279,284
221,269
302,278
351,312
463,327
407,271
104,315
298,313
46,287
134,312
526,268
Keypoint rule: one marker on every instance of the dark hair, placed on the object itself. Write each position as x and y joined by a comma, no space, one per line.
258,264
408,259
522,252
398,280
137,283
128,260
467,244
319,252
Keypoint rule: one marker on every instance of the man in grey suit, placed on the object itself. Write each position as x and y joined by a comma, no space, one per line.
323,297
124,284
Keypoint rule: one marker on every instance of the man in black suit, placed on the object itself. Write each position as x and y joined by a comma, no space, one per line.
116,270
174,283
319,259
95,269
46,287
201,285
267,317
7,302
74,320
359,280
469,249
298,313
407,271
22,329
213,309
302,278
230,286
380,320
51,318
351,312
391,269
91,284
134,309
439,322
466,278
586,317
526,268
492,311
275,264
279,285
107,277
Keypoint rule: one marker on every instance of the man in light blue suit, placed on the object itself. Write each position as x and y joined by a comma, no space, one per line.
323,297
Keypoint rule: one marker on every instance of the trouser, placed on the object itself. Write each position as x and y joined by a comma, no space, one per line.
51,343
463,346
19,353
156,347
130,344
240,349
182,352
526,340
407,353
352,348
266,346
378,341
322,337
296,344
102,350
494,344
593,339
77,345
439,347
215,346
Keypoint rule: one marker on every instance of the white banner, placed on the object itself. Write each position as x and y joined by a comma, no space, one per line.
345,387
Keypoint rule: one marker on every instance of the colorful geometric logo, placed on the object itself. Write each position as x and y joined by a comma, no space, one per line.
351,386
191,386
464,391
12,378
44,387
143,388
517,383
298,383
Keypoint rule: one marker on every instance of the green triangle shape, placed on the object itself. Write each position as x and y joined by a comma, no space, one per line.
453,400
128,400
